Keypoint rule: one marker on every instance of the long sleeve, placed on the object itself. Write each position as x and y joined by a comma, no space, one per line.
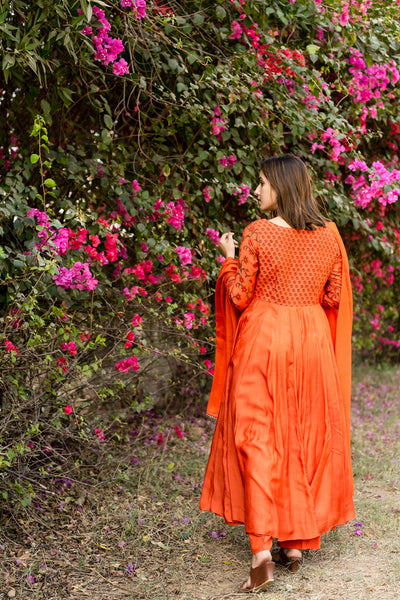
333,287
241,286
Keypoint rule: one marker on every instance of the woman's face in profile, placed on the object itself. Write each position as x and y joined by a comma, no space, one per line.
265,194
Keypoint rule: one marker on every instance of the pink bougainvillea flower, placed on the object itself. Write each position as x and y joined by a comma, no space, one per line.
189,320
214,235
120,67
9,346
206,194
71,347
179,432
137,320
185,255
68,409
77,277
125,365
99,434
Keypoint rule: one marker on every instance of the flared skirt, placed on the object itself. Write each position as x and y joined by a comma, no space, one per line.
280,457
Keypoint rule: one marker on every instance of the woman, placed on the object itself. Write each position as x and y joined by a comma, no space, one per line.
280,456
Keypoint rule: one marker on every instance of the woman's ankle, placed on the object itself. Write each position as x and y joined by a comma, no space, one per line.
292,552
260,557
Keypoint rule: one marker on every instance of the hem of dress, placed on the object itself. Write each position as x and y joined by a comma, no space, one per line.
286,537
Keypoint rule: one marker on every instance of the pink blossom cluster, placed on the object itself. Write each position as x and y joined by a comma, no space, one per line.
99,434
311,101
62,363
375,268
217,122
200,305
352,11
208,365
179,431
78,238
130,337
243,192
106,47
387,342
331,137
111,246
236,32
227,161
214,235
130,293
47,232
138,7
173,273
382,184
185,255
175,213
143,271
125,365
137,321
123,213
9,346
77,277
189,319
135,186
71,347
368,83
207,194
197,273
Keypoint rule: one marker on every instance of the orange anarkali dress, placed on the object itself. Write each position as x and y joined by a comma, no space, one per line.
280,457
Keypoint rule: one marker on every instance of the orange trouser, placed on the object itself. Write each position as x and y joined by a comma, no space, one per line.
264,542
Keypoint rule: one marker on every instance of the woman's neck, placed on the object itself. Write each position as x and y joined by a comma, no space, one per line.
279,221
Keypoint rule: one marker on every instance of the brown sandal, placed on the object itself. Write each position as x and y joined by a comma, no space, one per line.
281,558
261,577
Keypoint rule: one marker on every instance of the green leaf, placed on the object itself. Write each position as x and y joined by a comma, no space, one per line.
108,121
34,158
65,95
312,49
46,108
173,64
220,13
50,183
198,19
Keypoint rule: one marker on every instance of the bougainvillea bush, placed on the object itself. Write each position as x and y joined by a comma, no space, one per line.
131,136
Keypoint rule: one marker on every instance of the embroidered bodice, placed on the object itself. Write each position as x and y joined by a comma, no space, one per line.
284,266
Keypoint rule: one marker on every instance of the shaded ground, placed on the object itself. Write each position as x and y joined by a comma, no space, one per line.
140,534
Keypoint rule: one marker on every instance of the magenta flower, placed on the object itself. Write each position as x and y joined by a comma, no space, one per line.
77,277
100,434
10,346
137,320
185,255
121,67
214,235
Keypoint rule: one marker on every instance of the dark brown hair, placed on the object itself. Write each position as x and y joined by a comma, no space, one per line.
289,177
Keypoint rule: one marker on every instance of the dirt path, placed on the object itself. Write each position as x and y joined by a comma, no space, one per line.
138,534
347,567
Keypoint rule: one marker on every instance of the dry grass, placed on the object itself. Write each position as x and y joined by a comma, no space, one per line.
144,518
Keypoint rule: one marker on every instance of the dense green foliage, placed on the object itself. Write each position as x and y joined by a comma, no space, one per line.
116,175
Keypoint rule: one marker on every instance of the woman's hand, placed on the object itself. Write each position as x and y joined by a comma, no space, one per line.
227,245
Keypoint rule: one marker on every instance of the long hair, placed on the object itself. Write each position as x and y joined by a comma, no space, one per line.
289,177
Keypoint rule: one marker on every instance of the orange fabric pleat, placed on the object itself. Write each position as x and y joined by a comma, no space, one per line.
280,459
